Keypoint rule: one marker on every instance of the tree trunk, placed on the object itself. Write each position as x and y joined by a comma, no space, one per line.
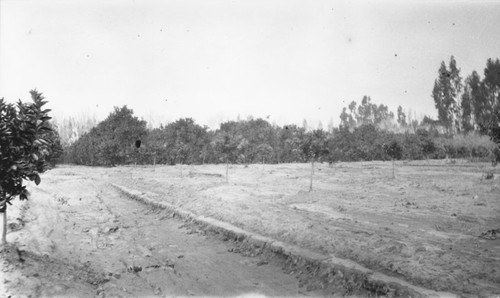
312,173
227,169
393,174
4,226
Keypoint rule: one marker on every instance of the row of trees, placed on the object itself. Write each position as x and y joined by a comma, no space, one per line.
467,105
369,113
113,141
463,106
466,113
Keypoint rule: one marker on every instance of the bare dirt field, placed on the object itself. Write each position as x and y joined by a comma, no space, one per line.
434,225
78,237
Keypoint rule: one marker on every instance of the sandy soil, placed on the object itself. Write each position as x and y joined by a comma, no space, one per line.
77,237
423,226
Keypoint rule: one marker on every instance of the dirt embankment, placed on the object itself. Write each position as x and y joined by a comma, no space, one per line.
78,237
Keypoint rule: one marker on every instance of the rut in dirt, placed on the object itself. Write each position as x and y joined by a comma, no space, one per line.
174,258
143,251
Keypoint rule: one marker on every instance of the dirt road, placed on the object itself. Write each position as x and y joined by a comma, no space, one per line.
99,243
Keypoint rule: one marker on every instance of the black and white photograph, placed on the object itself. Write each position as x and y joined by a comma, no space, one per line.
237,148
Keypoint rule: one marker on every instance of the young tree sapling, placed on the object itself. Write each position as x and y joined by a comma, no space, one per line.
394,150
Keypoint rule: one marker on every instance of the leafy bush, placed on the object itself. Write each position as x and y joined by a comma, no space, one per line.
471,146
25,148
111,142
393,149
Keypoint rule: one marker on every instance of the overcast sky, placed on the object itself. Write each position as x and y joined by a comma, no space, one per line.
213,60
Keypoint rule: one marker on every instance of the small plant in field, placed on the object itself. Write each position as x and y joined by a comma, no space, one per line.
227,144
395,151
313,148
25,147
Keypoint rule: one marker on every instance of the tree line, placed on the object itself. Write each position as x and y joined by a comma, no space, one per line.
467,105
113,142
468,116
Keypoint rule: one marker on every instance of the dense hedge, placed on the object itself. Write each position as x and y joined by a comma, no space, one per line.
112,142
359,136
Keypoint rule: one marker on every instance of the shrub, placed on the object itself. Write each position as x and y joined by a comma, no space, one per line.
25,146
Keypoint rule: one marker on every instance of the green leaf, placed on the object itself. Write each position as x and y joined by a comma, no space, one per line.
37,179
44,141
